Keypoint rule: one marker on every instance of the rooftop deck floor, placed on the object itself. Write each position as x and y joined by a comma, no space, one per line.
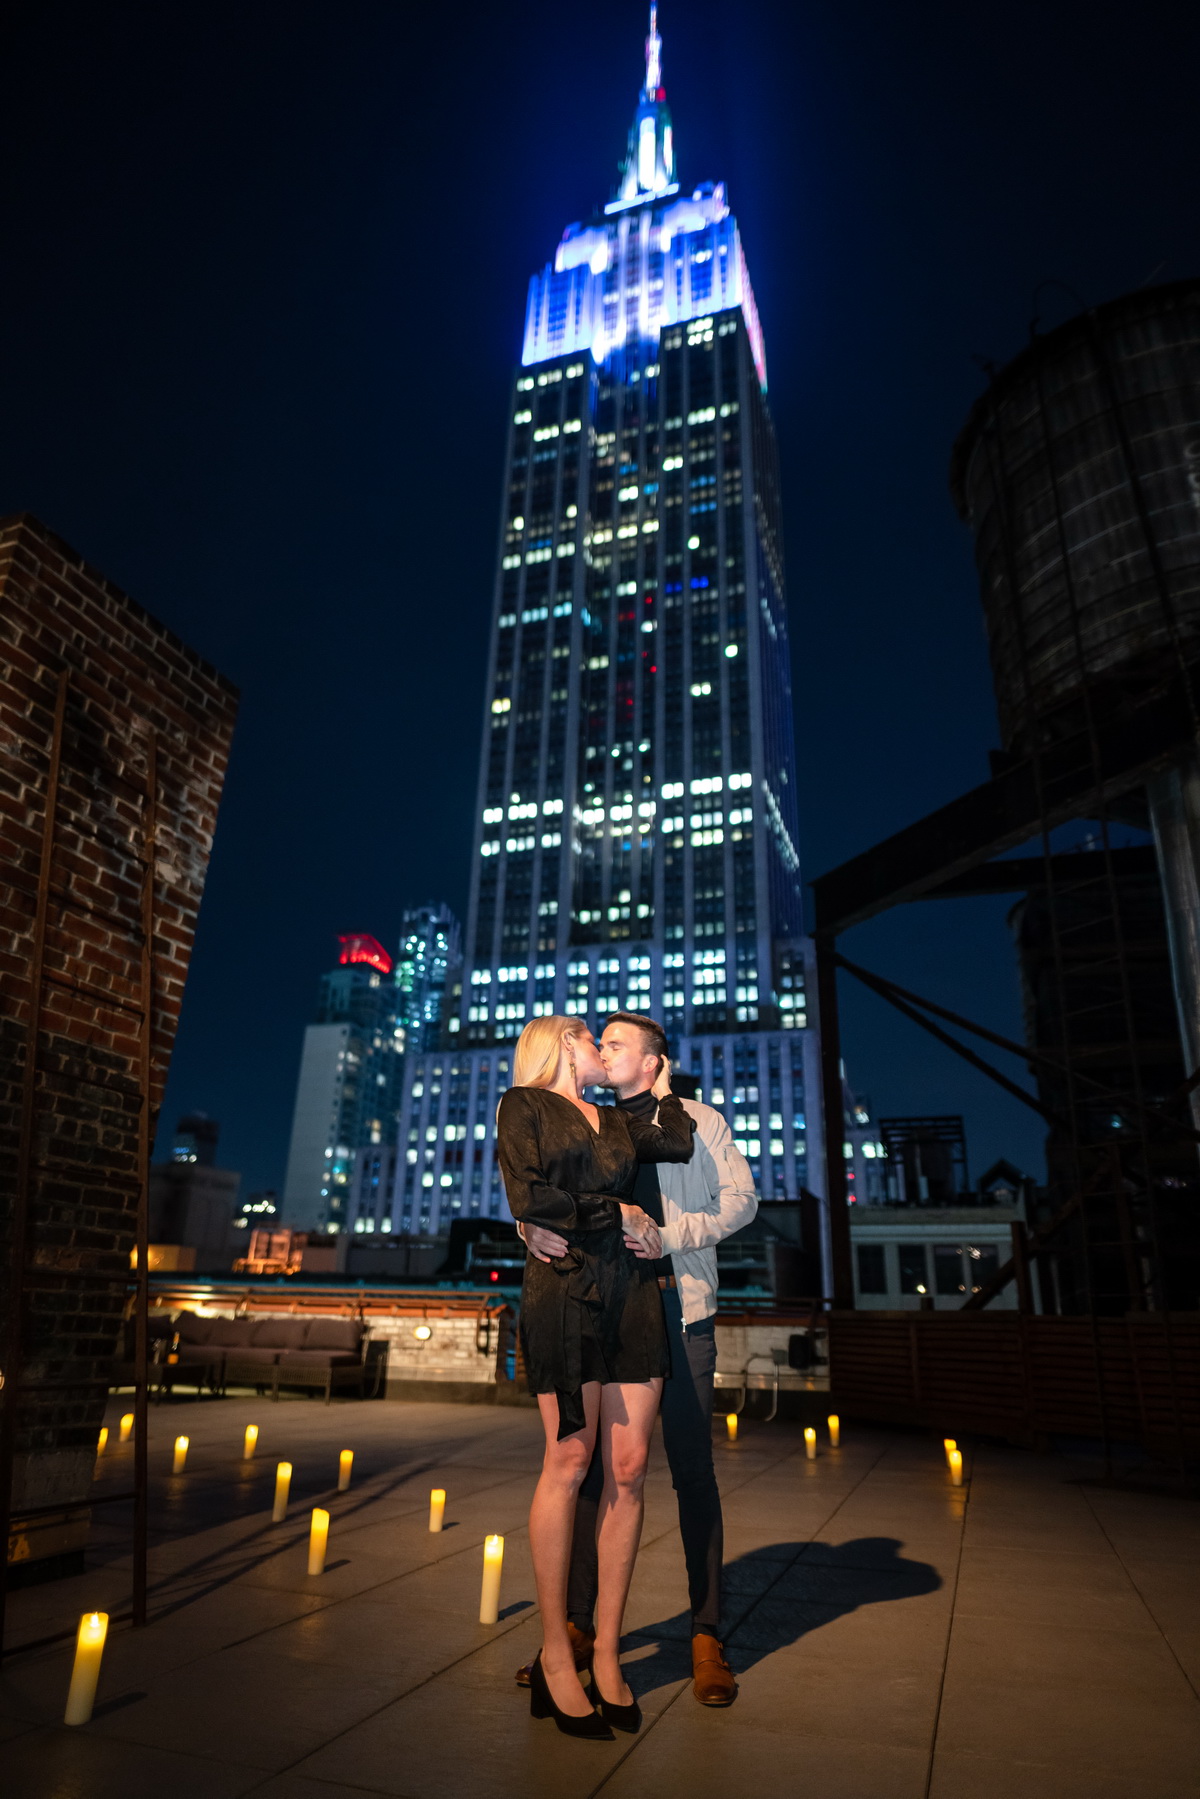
1033,1633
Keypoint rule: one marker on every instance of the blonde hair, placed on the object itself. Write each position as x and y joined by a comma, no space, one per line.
539,1048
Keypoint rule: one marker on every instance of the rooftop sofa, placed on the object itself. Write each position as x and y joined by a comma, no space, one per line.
326,1354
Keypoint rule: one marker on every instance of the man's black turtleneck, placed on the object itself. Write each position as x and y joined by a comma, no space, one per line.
646,1191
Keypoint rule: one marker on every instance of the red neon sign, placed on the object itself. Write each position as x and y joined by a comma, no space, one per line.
360,948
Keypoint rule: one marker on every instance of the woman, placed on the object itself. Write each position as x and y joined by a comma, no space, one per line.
593,1335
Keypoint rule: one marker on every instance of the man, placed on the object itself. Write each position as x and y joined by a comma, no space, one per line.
696,1205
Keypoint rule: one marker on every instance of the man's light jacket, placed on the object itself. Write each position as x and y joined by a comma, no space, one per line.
704,1201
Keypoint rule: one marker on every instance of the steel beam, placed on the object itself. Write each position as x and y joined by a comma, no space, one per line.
1005,812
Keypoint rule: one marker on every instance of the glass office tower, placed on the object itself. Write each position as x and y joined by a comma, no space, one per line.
635,830
428,966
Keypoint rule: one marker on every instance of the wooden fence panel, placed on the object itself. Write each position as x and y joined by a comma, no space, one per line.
1002,1374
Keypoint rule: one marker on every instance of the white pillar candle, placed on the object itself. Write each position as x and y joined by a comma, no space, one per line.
810,1443
102,1445
127,1427
345,1464
283,1481
250,1442
181,1449
437,1508
731,1426
955,1459
835,1429
489,1597
89,1651
318,1540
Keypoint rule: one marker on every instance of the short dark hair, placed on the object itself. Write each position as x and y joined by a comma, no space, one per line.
653,1035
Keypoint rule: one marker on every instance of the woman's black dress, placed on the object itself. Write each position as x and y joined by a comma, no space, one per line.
595,1313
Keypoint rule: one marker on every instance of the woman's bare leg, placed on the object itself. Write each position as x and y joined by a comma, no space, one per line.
627,1414
551,1523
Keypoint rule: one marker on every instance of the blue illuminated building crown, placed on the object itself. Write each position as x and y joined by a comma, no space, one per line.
652,258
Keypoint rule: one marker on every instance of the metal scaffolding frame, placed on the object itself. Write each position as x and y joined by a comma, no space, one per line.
1086,740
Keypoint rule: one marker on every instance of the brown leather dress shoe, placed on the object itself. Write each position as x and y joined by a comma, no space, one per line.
712,1677
583,1645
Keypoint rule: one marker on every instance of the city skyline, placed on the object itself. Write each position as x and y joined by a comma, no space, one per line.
289,256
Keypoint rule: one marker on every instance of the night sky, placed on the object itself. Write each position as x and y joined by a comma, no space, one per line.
264,284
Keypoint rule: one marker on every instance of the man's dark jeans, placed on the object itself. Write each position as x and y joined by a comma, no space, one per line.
687,1438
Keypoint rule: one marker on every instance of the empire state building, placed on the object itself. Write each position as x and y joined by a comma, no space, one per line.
635,825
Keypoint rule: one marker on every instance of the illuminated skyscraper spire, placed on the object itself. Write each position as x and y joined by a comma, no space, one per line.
653,56
649,166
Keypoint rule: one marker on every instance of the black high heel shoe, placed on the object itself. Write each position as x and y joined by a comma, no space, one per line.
541,1705
621,1717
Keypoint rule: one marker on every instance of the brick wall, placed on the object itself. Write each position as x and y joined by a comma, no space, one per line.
131,682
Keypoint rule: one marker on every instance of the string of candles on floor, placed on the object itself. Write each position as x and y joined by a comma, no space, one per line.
92,1632
93,1626
833,1424
283,1471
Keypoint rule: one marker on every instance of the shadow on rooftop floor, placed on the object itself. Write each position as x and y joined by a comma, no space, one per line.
778,1594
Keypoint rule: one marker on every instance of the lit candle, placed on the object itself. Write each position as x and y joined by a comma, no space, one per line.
949,1445
250,1443
102,1445
89,1649
127,1427
283,1480
810,1443
181,1449
835,1429
731,1426
955,1460
345,1464
437,1508
318,1540
489,1597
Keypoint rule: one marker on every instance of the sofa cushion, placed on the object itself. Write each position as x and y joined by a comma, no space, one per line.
194,1330
230,1333
320,1358
279,1333
333,1333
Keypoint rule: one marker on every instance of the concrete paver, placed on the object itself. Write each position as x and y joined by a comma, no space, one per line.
895,1638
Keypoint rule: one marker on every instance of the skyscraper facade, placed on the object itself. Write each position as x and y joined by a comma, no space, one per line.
428,964
349,1084
635,831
